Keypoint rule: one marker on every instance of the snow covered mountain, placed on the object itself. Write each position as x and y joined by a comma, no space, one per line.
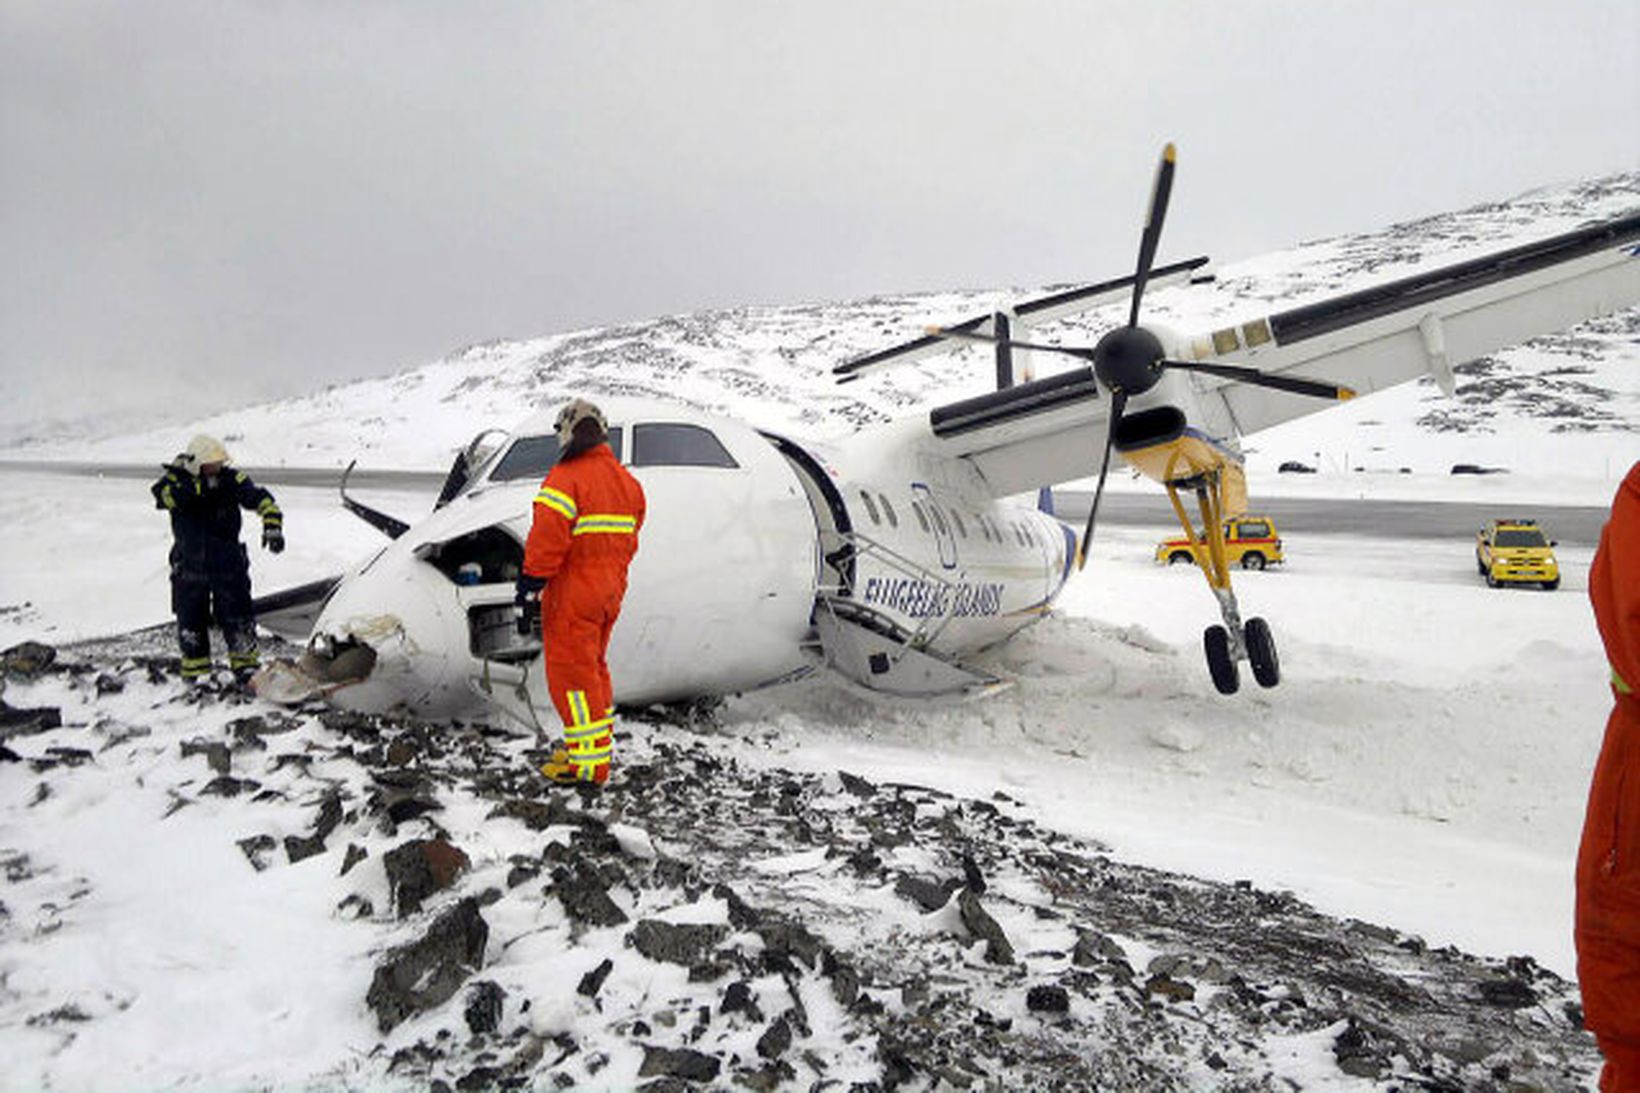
771,365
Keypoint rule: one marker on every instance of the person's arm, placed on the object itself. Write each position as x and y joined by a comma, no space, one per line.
176,489
1614,582
551,525
254,497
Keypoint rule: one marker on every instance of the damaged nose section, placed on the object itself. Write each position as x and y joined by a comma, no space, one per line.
325,667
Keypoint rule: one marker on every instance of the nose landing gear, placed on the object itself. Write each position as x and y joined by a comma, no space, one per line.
1227,645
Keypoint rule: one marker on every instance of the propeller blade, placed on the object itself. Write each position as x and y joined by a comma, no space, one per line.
1298,385
1118,403
1005,350
1153,229
1012,343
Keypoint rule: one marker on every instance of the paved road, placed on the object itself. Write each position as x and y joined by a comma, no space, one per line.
269,476
1293,515
1379,519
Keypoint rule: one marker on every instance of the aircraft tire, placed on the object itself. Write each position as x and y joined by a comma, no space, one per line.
1220,665
1261,652
1252,560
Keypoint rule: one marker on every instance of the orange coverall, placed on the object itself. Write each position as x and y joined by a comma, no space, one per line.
582,538
1608,860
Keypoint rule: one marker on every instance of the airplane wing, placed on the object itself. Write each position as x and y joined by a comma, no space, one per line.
1426,324
290,612
1051,430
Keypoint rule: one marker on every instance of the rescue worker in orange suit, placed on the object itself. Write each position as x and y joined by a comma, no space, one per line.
210,571
1608,860
583,535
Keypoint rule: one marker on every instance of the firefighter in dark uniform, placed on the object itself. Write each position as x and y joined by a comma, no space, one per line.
210,571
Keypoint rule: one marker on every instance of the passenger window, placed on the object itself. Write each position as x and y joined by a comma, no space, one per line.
871,508
939,520
956,518
1256,530
921,519
888,510
667,444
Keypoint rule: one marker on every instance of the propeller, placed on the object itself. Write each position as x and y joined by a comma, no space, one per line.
1129,360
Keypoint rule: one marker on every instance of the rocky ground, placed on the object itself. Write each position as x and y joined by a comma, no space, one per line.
711,919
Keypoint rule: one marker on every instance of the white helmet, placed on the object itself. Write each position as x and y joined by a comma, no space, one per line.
574,412
204,449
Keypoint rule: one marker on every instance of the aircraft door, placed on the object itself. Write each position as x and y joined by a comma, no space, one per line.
939,525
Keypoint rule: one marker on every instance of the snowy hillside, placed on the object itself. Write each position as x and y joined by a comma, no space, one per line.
771,366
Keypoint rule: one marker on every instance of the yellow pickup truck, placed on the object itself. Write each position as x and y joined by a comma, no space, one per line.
1249,541
1516,552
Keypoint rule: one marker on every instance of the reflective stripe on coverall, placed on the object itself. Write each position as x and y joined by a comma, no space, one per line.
582,538
1608,859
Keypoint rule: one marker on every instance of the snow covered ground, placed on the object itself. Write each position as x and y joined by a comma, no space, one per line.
1423,763
1422,767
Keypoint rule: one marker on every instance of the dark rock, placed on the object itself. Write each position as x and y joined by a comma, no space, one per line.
1356,1055
676,944
355,854
1094,949
330,815
228,786
923,892
107,684
856,785
741,915
27,660
214,751
419,868
685,1063
791,939
1508,993
355,906
708,971
483,1009
1174,990
592,982
1047,998
845,981
971,876
299,847
738,999
427,972
15,722
585,897
981,925
775,1039
257,848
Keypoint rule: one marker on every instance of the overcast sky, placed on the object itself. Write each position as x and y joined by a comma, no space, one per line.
208,203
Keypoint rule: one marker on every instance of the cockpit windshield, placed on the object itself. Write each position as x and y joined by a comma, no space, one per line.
533,456
1519,537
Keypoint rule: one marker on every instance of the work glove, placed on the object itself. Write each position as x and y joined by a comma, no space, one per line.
175,489
273,537
528,590
527,595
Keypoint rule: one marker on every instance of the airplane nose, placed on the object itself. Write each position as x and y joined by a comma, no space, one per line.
384,642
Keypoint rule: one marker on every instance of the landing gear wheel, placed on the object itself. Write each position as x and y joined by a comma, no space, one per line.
1261,652
1252,560
1220,664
